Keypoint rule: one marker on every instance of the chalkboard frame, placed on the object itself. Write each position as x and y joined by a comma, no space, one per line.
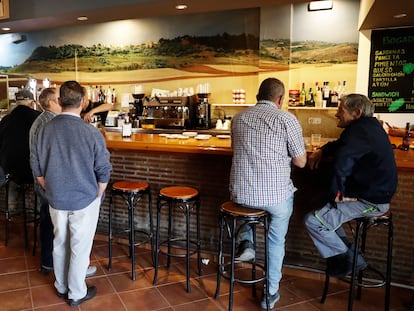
391,71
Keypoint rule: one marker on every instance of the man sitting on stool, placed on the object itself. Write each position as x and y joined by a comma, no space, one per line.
364,181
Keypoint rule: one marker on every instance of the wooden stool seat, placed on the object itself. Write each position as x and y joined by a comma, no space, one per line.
385,217
179,192
130,186
132,192
238,210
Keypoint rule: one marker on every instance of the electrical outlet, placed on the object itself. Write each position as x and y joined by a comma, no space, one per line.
314,120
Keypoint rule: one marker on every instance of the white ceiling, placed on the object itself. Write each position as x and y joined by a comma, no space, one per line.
33,15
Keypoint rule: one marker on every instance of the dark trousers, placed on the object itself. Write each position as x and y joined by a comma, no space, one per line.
46,230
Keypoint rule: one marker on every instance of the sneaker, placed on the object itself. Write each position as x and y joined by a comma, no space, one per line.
272,301
91,271
245,251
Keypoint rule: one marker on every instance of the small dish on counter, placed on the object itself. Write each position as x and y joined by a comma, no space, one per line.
203,136
223,136
190,134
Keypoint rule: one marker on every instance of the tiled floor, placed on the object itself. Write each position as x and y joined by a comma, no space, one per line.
22,287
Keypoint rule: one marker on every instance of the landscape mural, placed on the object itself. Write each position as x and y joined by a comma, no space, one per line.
226,49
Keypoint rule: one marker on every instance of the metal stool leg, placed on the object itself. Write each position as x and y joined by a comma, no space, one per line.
354,266
157,242
131,209
110,231
389,264
220,267
233,254
198,236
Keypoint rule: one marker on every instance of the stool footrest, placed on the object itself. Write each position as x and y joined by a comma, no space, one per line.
173,245
226,273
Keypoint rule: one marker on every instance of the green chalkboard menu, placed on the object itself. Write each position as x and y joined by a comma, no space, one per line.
391,70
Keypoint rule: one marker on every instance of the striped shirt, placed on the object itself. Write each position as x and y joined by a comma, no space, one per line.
264,141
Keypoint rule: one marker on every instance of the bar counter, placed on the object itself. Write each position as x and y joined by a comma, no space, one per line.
205,165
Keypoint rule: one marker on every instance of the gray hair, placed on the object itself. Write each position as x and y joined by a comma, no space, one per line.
353,102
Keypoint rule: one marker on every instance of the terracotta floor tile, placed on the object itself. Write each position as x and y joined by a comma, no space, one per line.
144,299
9,265
122,282
15,300
176,293
205,305
45,295
22,287
13,281
99,303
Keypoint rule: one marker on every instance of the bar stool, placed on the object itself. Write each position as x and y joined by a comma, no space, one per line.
29,214
360,234
187,200
132,192
233,215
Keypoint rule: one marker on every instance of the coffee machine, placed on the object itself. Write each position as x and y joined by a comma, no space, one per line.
202,112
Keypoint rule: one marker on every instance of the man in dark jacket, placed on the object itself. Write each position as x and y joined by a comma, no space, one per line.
14,138
364,181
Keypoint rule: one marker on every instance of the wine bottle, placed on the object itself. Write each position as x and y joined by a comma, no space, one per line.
302,95
406,138
310,99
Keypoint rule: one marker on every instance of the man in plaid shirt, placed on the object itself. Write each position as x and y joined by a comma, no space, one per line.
266,141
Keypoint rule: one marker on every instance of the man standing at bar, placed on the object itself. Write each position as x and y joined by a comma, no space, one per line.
48,100
364,181
266,141
74,169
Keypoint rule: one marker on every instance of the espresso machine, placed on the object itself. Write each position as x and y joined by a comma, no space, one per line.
167,112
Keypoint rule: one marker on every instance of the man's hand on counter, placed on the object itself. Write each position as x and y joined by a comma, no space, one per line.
314,159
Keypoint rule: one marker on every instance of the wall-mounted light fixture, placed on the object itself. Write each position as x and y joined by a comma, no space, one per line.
320,5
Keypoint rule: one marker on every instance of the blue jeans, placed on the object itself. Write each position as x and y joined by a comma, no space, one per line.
278,228
325,225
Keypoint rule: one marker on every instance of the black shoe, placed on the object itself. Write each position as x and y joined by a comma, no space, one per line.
340,266
44,270
91,292
62,295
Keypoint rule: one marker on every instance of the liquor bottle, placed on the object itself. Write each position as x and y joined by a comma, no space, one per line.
326,94
335,95
302,95
113,96
406,138
318,95
108,95
310,99
343,90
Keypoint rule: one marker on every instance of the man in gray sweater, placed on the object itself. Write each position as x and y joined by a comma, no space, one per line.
74,169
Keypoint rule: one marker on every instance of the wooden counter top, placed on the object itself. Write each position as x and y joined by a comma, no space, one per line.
214,145
155,142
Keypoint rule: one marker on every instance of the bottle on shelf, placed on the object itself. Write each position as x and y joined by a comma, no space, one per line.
113,96
310,99
326,95
302,95
406,138
108,95
334,95
343,90
318,96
